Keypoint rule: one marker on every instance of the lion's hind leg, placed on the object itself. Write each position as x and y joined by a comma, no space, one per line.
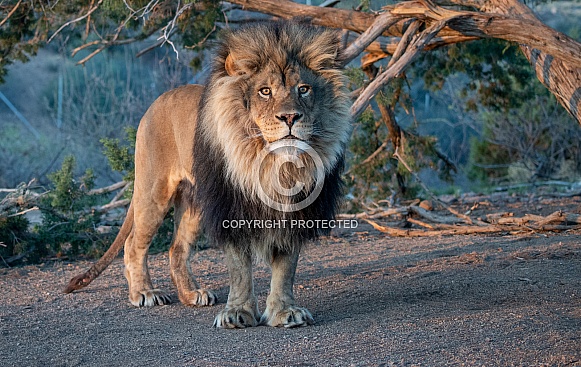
148,216
186,230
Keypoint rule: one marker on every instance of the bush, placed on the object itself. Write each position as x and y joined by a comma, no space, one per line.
70,227
536,141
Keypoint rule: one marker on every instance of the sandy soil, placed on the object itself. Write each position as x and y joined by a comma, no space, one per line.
502,300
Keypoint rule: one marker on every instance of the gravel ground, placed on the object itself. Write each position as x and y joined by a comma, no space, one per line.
504,300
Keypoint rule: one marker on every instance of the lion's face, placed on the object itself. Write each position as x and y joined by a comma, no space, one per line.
283,103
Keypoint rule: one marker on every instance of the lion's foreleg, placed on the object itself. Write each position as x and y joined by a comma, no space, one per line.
280,304
185,232
242,307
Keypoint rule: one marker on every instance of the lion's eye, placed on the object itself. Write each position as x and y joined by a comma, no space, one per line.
265,92
304,90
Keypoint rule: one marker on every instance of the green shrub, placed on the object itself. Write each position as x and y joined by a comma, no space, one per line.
537,141
121,156
14,236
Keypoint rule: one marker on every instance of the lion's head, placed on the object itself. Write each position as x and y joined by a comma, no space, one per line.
272,84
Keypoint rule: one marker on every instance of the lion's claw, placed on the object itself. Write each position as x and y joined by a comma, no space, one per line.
199,298
150,298
236,317
289,317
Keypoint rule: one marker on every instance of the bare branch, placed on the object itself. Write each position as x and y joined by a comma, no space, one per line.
110,188
169,28
466,218
413,50
497,223
114,40
397,232
22,197
461,23
120,193
108,43
113,205
506,27
91,55
75,20
23,212
156,44
380,24
328,17
10,13
404,42
379,213
82,47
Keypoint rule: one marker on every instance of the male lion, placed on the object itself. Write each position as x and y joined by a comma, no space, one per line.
210,152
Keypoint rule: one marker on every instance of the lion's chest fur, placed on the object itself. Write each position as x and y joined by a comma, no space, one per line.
233,215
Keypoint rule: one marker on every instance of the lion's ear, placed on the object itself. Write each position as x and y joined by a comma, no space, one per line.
230,66
239,65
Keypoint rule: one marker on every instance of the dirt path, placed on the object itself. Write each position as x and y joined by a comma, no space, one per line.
466,300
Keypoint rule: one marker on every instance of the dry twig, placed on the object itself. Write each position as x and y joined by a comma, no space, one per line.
412,51
446,226
75,20
466,218
10,13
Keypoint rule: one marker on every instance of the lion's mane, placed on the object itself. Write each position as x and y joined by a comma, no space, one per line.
227,166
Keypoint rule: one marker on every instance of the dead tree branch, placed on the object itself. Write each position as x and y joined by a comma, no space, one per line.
412,51
379,25
20,197
111,206
26,199
438,225
10,13
398,232
110,188
465,218
91,10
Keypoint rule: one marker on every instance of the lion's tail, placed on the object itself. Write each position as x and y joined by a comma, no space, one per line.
83,280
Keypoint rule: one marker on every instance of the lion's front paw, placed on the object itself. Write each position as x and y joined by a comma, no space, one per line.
199,297
290,316
149,298
236,317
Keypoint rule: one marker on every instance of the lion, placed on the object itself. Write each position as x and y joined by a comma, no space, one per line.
267,131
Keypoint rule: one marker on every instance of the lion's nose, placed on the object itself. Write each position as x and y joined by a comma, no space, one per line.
289,118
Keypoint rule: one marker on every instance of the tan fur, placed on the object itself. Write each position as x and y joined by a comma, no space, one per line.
163,158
